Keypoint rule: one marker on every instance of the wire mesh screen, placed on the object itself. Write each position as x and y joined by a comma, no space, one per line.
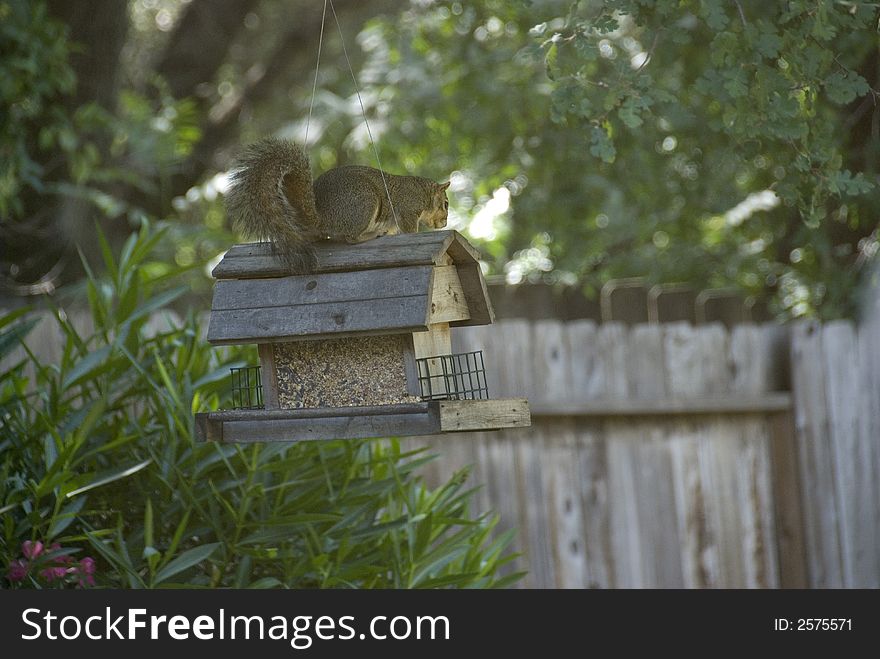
453,377
247,388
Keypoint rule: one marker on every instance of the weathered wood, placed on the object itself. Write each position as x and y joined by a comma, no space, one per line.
787,486
330,320
686,352
592,467
410,366
433,343
530,504
473,285
561,481
869,418
461,415
321,288
815,458
625,527
586,376
257,259
448,302
851,455
355,427
318,424
268,376
393,266
319,412
755,459
645,365
436,341
550,361
663,407
402,419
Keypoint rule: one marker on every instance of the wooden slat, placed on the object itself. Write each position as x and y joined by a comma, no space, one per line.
477,295
319,412
330,320
586,380
852,459
646,373
625,526
436,341
654,492
754,460
268,376
403,419
321,288
551,361
615,407
433,343
592,466
527,507
314,424
461,415
815,456
565,516
686,352
257,260
869,417
448,301
354,427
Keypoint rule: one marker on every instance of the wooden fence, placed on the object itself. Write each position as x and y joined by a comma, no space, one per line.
673,455
669,455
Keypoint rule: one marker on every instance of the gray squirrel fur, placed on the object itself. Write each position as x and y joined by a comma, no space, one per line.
272,197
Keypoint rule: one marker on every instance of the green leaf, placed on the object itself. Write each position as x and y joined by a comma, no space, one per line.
89,367
844,87
601,145
90,481
186,560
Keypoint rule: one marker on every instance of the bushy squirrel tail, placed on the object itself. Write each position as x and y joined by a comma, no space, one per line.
270,197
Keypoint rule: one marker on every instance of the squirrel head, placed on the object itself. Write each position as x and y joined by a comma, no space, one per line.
435,215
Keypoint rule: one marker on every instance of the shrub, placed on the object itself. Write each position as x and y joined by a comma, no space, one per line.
99,468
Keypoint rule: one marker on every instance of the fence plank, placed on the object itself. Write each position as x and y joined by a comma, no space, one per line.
852,461
565,519
755,371
525,466
592,462
869,418
815,457
696,363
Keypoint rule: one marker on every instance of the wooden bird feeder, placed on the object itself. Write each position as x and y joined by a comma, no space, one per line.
358,348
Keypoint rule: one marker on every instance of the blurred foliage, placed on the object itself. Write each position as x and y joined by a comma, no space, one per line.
33,73
721,143
97,456
710,142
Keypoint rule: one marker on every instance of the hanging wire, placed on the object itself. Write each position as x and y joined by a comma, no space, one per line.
363,111
317,66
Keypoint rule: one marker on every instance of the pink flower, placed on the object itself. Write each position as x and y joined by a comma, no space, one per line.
87,571
18,570
31,549
52,573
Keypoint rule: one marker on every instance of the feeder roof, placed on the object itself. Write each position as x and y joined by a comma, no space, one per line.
389,285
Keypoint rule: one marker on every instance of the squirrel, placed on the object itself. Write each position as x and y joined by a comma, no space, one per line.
271,196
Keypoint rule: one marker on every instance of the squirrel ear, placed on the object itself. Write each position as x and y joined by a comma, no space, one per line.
443,186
